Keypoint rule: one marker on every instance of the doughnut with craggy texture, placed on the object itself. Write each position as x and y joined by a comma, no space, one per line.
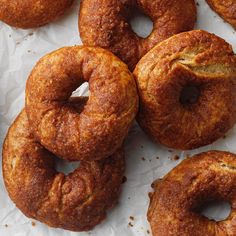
78,201
226,9
177,198
31,13
97,131
187,90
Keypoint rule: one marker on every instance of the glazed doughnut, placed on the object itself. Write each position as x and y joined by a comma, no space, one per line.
105,23
177,199
187,90
77,202
226,9
97,131
31,13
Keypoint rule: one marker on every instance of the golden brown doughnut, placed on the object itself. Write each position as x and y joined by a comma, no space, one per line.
105,23
175,203
195,62
226,9
77,202
31,13
97,131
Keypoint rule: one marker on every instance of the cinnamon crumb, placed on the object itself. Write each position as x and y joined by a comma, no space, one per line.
148,232
157,158
175,158
130,224
143,159
131,218
33,223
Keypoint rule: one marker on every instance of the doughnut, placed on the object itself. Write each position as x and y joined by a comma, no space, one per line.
76,202
177,199
226,9
31,13
187,93
105,23
100,128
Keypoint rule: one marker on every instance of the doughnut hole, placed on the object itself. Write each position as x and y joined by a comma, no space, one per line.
65,167
82,89
189,94
216,210
141,23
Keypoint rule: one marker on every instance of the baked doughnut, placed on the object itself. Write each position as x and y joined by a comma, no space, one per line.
187,90
105,23
97,131
226,9
31,13
76,202
176,201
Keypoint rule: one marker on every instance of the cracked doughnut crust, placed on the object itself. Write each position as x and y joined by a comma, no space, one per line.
31,13
77,202
226,9
97,131
175,203
105,23
195,58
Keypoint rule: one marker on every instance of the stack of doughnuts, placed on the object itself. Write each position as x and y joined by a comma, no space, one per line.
178,83
105,23
86,129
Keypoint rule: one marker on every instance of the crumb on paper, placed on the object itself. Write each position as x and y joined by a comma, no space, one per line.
143,159
130,224
148,232
170,150
6,225
131,218
33,223
198,4
175,158
157,158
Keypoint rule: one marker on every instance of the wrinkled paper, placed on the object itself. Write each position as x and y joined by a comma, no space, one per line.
146,161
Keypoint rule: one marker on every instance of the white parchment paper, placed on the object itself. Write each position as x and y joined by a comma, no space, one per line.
146,161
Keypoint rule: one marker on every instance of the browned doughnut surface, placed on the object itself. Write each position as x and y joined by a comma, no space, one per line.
76,202
226,9
174,206
187,90
100,128
31,13
105,23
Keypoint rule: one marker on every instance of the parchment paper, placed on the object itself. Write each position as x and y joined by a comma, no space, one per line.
146,161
